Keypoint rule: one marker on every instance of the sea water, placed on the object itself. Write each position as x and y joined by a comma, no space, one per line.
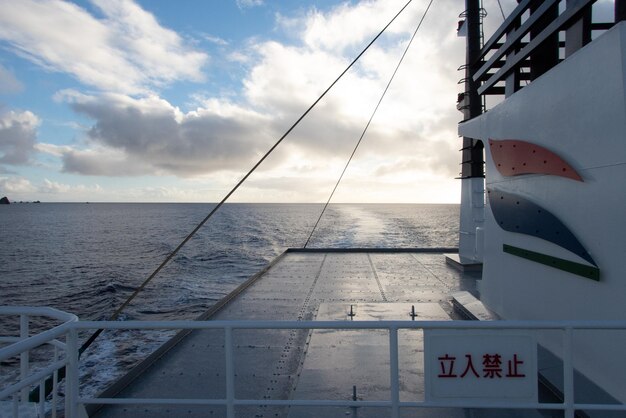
88,258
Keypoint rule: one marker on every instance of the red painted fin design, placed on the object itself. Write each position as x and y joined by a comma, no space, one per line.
513,157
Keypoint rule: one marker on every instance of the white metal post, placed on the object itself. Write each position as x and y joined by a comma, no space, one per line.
568,374
55,381
394,374
42,398
24,360
71,379
230,372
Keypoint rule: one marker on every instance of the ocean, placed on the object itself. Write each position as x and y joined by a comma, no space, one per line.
88,258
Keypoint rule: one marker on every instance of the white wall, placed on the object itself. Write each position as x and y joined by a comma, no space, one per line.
577,110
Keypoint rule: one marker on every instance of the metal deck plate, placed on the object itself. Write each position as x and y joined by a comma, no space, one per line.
296,364
337,361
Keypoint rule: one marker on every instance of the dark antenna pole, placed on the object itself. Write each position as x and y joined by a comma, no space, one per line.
620,10
472,156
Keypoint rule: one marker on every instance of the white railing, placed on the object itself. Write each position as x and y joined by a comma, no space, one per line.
76,403
14,397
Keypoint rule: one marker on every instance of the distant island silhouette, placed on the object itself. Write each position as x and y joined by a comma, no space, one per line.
5,201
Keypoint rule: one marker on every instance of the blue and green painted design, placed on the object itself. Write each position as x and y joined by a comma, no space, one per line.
583,270
518,214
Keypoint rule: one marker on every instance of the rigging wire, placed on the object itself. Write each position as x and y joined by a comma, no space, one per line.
61,373
521,69
117,312
368,123
501,10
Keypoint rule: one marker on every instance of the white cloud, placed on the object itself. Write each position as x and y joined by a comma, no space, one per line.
15,185
125,51
215,40
151,136
8,82
102,161
18,134
56,188
412,137
53,149
246,4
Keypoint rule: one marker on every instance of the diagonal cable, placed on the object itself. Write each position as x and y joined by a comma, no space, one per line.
217,207
369,122
35,393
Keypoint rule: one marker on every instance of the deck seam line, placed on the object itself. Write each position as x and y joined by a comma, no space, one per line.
430,271
380,286
292,335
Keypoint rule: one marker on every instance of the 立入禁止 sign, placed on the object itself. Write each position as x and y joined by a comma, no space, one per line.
486,365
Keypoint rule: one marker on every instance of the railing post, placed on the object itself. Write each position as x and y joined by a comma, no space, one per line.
546,55
512,81
230,372
24,356
620,10
394,374
578,34
71,381
568,374
55,382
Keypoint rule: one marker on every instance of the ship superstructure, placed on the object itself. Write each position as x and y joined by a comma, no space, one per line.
552,236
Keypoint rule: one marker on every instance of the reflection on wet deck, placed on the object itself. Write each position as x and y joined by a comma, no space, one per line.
298,364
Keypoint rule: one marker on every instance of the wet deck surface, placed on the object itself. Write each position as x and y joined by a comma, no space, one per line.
298,364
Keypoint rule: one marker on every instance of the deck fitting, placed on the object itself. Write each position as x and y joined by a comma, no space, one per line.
352,314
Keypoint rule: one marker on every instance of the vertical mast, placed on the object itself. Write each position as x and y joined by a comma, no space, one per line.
472,158
472,170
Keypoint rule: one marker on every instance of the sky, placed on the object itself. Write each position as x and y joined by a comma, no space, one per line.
163,101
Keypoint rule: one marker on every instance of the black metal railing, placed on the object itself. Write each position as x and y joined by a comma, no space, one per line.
527,44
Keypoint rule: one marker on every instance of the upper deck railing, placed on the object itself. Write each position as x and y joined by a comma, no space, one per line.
535,37
75,403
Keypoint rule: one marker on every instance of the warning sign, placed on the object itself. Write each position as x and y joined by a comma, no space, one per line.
481,365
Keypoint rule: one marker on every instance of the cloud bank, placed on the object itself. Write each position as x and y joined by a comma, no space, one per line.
127,56
124,51
18,135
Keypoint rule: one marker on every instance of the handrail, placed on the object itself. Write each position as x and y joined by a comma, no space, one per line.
34,378
23,344
506,25
403,324
38,311
507,52
75,401
514,37
230,401
41,338
561,21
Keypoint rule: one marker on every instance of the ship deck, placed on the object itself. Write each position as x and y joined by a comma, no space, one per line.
303,364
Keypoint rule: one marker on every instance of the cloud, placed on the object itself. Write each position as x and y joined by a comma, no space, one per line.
102,161
13,185
8,82
214,40
124,51
56,188
246,4
412,136
327,30
151,136
160,138
18,134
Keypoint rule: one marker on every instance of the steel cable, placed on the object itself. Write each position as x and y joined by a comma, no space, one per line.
117,312
35,393
368,123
